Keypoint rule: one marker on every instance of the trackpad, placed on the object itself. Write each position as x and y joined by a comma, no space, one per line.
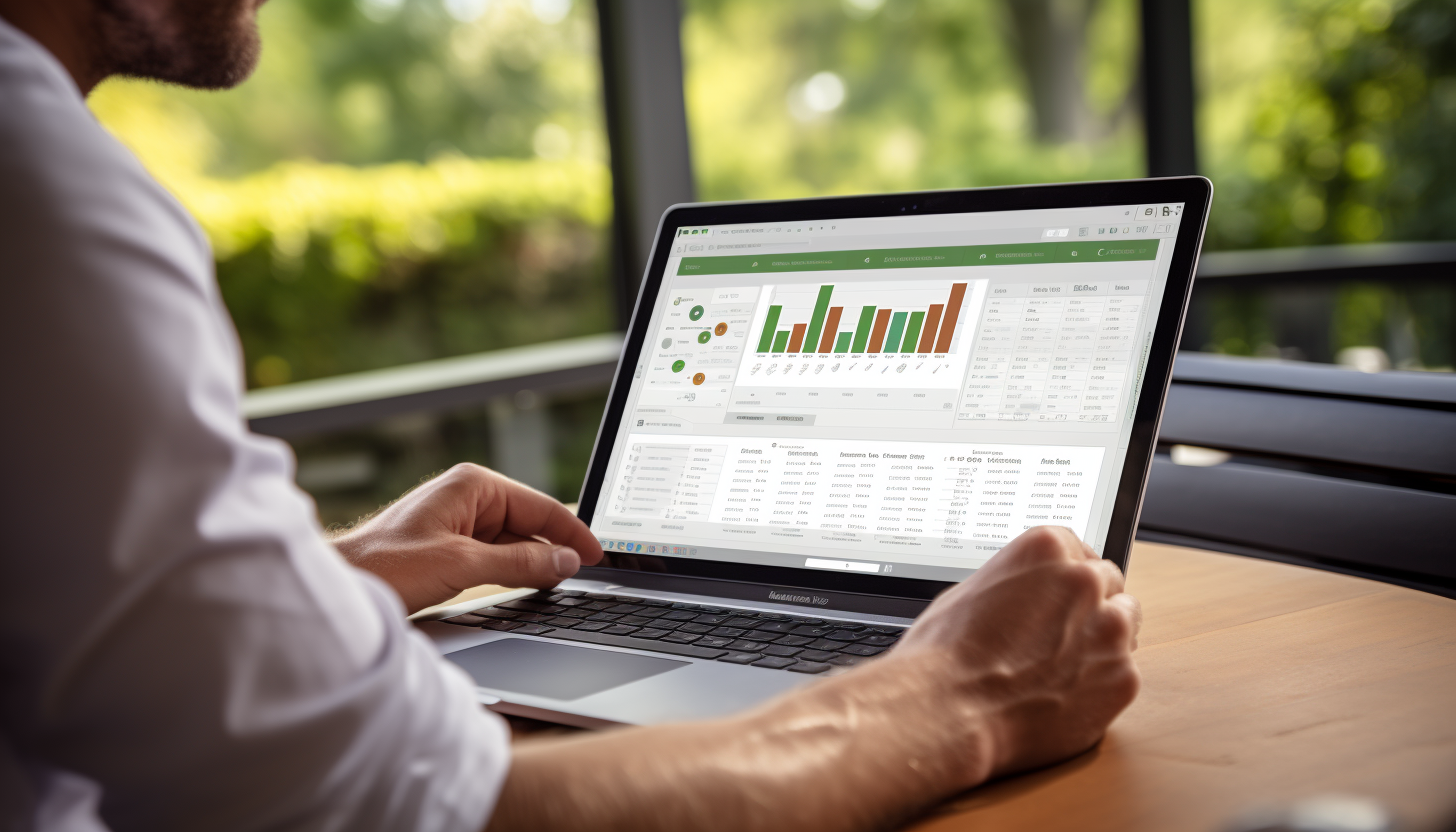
555,671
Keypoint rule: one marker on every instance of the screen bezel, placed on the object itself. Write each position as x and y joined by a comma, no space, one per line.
1195,192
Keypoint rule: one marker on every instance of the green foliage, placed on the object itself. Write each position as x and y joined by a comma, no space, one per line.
929,96
355,223
1336,127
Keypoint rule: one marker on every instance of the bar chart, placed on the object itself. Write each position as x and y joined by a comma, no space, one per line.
870,318
864,334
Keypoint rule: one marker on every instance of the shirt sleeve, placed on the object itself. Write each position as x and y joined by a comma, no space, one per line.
172,624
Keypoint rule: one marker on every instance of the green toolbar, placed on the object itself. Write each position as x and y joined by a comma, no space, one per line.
919,258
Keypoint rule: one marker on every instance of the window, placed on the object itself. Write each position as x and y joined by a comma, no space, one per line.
851,96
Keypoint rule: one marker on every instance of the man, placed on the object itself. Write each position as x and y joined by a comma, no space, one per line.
180,648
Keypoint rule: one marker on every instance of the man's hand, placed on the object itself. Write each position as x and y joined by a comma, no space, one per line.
467,527
1024,664
1041,640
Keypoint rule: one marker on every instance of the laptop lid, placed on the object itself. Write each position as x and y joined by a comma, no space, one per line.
853,402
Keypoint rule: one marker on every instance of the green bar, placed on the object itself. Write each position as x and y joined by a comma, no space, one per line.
912,333
862,332
766,339
897,328
781,341
816,323
1082,251
842,344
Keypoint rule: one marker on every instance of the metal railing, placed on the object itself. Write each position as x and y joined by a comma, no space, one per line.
358,399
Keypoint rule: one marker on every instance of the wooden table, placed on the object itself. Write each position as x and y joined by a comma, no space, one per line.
1262,683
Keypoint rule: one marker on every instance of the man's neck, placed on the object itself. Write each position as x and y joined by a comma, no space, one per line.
62,27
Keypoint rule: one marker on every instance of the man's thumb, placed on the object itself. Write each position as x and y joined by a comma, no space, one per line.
529,563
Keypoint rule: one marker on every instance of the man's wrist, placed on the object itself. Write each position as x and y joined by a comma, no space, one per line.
913,713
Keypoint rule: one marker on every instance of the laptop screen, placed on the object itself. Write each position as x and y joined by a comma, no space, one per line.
895,396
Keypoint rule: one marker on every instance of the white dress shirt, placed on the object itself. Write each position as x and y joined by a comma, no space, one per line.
179,647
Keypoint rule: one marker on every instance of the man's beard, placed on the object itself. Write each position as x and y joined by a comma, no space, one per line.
206,44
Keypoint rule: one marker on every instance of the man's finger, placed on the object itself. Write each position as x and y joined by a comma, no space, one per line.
1133,609
521,510
526,563
1113,581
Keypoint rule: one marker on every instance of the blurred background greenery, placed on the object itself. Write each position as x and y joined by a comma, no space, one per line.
405,180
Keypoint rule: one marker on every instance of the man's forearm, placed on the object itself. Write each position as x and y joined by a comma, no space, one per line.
852,753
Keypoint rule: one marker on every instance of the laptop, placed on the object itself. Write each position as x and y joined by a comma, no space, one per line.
827,411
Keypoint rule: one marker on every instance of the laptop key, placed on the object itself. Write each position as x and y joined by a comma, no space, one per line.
604,616
740,658
776,626
650,612
691,650
841,660
620,630
563,621
576,612
756,635
793,641
745,646
863,650
740,621
502,626
817,655
772,616
634,619
694,627
679,615
710,618
651,632
774,662
887,631
843,635
535,630
807,667
653,602
780,650
523,604
533,617
731,632
591,626
496,612
625,608
572,602
825,644
597,596
681,638
878,641
570,593
808,630
468,619
847,625
714,641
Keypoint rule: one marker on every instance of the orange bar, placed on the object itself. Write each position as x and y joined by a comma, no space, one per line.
952,313
877,334
831,329
927,335
797,339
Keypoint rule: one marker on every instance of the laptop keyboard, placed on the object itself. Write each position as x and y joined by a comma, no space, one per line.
798,644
